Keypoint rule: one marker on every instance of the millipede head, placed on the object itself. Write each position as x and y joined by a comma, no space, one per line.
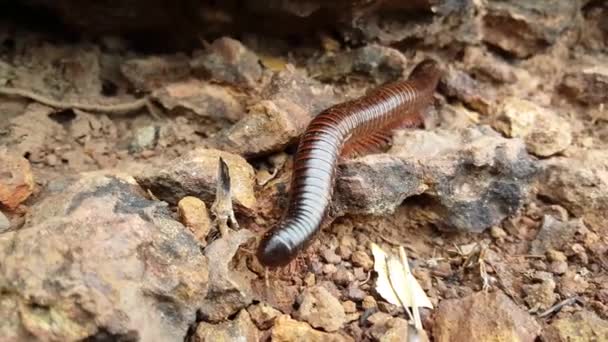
274,251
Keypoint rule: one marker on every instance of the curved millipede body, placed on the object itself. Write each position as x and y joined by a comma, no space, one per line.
349,126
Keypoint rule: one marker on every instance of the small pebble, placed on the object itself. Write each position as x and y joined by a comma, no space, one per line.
360,258
348,241
343,276
498,233
369,302
539,265
329,269
263,315
317,267
379,318
344,252
390,309
194,215
52,160
145,138
580,252
310,279
558,267
424,278
349,306
554,255
353,316
360,274
355,293
443,269
331,257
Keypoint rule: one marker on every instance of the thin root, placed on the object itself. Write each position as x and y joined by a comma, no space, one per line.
118,109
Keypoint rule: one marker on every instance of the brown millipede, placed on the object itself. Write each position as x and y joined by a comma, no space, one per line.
352,126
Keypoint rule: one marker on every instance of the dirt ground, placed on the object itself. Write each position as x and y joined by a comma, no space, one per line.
526,262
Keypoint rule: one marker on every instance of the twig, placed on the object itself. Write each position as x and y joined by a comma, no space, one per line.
222,206
558,306
119,108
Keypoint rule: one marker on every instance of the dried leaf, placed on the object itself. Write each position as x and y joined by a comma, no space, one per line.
395,282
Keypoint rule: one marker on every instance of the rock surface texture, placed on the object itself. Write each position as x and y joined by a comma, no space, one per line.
99,260
469,179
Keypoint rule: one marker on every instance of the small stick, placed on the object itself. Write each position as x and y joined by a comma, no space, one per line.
119,108
558,306
222,206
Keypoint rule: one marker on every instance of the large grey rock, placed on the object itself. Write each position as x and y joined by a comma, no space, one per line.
99,260
470,179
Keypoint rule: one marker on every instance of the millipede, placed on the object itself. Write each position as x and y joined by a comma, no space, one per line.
346,129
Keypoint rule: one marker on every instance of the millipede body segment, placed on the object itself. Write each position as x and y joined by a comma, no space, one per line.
353,126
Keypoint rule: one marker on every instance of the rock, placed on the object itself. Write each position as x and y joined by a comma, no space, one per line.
483,317
239,329
540,296
554,234
227,60
579,183
355,293
379,318
438,23
390,330
382,63
544,132
558,267
229,289
289,102
596,31
485,64
289,330
360,258
555,255
470,179
329,269
194,215
331,257
343,276
349,306
5,224
263,315
498,233
581,326
195,174
151,72
458,84
145,138
587,85
572,284
106,260
59,71
16,179
202,99
321,309
282,297
369,302
523,29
